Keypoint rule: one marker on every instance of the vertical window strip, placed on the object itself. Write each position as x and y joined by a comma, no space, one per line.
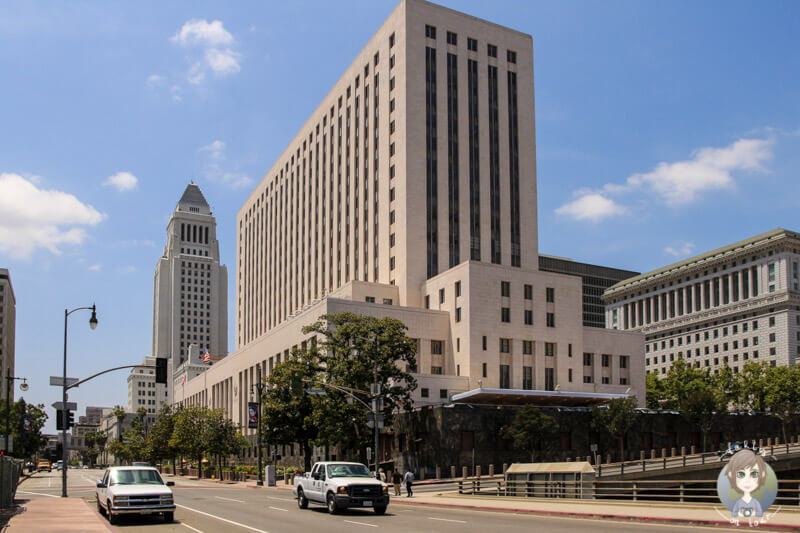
474,162
513,145
494,166
431,145
452,155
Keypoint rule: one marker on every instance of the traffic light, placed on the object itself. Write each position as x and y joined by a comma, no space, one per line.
59,419
70,419
161,370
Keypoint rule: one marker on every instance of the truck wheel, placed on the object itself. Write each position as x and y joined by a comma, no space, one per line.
380,510
332,507
302,501
112,518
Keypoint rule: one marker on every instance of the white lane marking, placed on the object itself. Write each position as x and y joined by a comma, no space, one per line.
447,520
279,509
222,519
37,493
360,523
281,499
228,499
190,527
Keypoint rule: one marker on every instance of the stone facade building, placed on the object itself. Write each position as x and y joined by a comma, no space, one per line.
732,305
190,300
143,391
410,192
8,317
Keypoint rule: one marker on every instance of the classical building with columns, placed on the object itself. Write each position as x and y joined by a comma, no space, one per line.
410,192
732,305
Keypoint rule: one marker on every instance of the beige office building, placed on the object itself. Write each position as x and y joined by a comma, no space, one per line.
8,319
732,305
143,391
410,192
190,295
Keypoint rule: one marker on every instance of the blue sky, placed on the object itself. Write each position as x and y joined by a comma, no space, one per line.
663,129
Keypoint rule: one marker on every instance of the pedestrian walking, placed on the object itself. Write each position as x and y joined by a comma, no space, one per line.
408,479
396,480
382,475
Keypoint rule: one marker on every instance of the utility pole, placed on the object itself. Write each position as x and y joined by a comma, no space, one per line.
260,389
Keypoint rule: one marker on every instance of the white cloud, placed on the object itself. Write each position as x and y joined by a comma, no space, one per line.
681,250
96,268
709,169
123,181
155,80
175,91
32,218
215,172
676,183
202,32
223,62
591,206
216,149
218,57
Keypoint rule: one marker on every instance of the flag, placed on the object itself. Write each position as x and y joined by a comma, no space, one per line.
207,358
183,380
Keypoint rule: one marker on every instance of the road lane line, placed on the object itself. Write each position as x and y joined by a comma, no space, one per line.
360,523
281,499
447,519
190,527
245,526
231,499
279,509
37,493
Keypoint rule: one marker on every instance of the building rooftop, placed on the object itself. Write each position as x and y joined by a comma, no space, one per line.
746,243
192,196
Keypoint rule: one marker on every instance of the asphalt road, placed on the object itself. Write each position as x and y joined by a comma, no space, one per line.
204,508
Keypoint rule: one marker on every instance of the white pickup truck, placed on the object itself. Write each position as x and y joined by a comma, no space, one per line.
340,485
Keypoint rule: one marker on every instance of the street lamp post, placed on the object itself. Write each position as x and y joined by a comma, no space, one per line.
93,325
259,386
9,384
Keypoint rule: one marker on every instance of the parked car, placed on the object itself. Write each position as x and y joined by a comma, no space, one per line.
339,485
44,464
134,490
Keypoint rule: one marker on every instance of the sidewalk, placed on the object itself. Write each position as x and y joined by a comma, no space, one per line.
785,519
45,515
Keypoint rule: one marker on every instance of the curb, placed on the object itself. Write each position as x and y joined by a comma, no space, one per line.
596,515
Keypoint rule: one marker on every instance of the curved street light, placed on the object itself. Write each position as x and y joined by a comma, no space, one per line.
92,325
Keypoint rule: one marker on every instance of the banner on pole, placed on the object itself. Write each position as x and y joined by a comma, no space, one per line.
252,415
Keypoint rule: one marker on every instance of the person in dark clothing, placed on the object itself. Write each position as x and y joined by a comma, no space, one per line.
397,479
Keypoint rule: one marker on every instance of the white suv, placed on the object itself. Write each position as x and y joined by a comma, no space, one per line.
134,490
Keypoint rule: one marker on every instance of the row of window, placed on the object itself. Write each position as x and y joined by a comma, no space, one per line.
472,44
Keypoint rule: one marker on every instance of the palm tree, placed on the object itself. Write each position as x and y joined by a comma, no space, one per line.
141,412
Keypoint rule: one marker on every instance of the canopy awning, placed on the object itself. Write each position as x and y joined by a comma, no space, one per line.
534,397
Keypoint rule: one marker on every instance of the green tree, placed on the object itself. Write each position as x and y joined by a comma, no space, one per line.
189,433
616,418
119,413
288,413
158,438
26,441
531,430
752,386
656,394
782,394
357,351
223,437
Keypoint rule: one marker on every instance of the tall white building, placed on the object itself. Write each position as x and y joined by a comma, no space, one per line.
8,315
143,391
190,297
410,192
729,306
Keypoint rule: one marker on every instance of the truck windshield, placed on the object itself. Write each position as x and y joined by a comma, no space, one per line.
348,471
135,477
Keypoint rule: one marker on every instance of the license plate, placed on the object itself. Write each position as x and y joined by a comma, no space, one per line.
368,504
146,511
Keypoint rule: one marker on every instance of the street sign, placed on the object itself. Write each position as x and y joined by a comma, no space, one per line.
71,406
10,447
371,421
593,447
315,392
58,381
